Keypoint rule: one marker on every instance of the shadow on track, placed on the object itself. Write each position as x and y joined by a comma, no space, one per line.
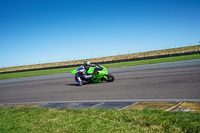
71,84
85,84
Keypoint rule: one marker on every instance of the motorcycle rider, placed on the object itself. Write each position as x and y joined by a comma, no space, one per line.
84,68
87,65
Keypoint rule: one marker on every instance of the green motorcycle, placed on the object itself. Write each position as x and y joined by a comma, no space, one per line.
92,75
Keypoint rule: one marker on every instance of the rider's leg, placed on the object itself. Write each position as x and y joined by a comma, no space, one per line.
79,79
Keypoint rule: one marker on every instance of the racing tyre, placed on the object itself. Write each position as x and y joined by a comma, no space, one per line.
110,77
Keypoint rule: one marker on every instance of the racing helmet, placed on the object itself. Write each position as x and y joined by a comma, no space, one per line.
86,64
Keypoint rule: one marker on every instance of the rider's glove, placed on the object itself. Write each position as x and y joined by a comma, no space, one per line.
96,73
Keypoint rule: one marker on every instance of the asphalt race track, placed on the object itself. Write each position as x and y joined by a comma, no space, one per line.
163,81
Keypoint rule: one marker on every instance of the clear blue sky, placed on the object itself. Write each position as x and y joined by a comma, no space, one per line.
44,31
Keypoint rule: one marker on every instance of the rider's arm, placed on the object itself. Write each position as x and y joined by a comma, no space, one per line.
93,65
97,67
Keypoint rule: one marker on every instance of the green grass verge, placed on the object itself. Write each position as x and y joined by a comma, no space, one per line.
35,73
153,61
42,120
112,65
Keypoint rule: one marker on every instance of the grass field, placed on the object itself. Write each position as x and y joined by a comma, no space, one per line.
111,65
44,120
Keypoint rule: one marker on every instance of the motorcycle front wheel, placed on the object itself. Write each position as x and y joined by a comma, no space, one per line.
110,77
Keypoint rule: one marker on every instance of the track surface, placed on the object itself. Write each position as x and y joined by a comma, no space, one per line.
177,80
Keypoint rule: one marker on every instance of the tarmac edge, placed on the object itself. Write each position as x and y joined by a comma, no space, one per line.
185,106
